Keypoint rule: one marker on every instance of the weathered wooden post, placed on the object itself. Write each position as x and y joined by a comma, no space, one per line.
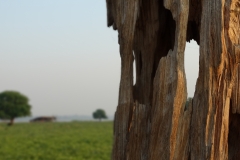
152,120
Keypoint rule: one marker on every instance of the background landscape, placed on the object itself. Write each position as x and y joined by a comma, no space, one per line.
62,56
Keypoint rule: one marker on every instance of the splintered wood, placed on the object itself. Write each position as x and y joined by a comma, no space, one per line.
152,121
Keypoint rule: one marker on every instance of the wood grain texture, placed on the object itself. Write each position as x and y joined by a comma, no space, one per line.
152,120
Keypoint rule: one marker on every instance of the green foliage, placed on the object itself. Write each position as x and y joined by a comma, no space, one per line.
56,141
13,104
99,114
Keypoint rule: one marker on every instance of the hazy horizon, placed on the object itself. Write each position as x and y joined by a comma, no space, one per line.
62,55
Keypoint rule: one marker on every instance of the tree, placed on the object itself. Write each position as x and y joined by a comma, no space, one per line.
13,104
99,114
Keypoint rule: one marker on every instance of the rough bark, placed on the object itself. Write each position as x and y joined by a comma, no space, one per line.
152,120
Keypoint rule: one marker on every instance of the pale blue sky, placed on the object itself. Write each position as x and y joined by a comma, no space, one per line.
63,57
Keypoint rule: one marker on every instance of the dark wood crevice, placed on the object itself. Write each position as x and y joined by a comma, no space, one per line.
194,20
153,47
234,136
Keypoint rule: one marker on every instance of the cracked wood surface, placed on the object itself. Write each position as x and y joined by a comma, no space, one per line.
152,120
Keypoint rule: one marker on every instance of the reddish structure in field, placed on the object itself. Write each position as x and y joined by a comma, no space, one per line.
44,119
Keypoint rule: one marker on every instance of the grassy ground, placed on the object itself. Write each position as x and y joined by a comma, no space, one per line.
56,141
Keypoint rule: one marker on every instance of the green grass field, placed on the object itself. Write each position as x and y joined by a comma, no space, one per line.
56,141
